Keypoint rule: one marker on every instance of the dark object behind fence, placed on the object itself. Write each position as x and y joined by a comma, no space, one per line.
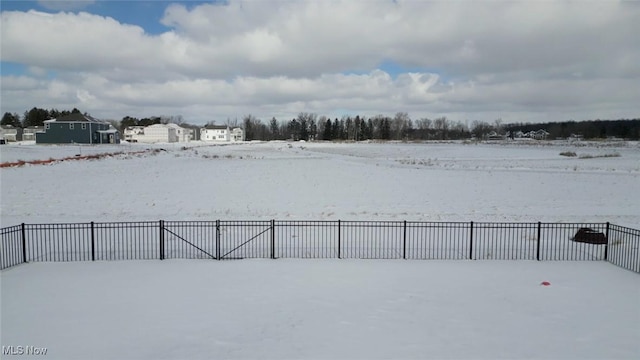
273,239
590,236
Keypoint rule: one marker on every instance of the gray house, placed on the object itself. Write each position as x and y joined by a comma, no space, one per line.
77,128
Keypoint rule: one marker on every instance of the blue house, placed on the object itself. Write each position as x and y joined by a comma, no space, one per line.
77,128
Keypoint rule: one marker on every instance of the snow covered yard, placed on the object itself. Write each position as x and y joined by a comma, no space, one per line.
305,309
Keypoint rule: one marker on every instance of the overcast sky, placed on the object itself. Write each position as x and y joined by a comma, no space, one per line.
529,61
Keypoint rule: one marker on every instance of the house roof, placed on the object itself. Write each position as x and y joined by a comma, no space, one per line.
77,117
216,127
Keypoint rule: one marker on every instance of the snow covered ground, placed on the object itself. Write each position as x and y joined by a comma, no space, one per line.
307,309
315,181
323,309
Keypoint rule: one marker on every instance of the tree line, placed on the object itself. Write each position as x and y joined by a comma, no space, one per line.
309,126
590,129
34,117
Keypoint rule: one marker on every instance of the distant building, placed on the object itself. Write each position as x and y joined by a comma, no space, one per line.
9,133
158,133
215,133
539,135
237,134
29,133
77,128
182,134
221,133
494,136
132,133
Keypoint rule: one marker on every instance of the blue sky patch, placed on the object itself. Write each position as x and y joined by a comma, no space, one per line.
146,14
8,68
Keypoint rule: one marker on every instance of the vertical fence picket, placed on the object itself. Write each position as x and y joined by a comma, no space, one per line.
93,242
273,239
339,240
24,243
218,240
404,240
471,241
538,241
606,246
161,239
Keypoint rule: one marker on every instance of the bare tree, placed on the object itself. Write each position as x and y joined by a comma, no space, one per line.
177,119
497,123
480,128
232,123
441,125
423,124
400,125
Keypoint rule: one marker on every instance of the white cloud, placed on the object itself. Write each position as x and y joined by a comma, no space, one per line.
472,60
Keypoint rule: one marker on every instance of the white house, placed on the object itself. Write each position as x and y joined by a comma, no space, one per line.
182,134
158,133
221,133
132,133
539,135
237,134
10,133
215,133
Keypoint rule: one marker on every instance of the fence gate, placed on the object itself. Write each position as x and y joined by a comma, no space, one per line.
245,239
216,239
187,239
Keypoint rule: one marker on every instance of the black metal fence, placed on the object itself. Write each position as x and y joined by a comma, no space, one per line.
318,239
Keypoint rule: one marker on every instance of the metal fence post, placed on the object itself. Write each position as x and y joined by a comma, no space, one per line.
339,242
161,239
273,239
218,240
538,242
93,242
404,241
471,242
606,246
24,243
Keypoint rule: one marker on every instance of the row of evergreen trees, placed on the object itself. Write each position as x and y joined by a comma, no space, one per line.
34,117
310,126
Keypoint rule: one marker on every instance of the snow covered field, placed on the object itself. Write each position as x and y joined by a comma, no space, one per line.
323,308
315,181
